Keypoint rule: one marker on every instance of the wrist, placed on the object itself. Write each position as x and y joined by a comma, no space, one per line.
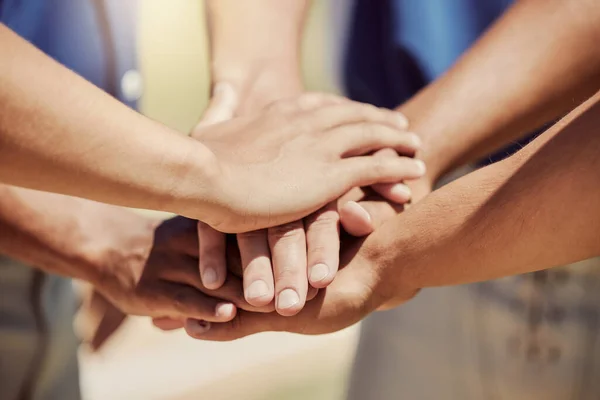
260,82
199,193
385,252
434,152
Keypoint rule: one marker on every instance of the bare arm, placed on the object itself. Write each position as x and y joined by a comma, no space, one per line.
255,46
70,236
60,133
532,211
538,62
143,267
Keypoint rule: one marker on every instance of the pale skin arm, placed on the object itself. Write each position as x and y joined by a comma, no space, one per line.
55,136
255,49
60,133
441,114
255,60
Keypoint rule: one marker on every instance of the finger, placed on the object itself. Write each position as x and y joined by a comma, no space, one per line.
368,170
340,305
185,271
355,219
360,219
181,301
168,324
256,264
312,293
331,116
323,245
396,192
212,257
223,104
354,194
288,252
364,138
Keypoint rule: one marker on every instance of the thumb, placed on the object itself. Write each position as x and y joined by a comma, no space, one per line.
362,218
355,219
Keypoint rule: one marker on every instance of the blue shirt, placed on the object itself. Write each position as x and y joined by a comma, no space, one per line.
71,32
437,32
22,16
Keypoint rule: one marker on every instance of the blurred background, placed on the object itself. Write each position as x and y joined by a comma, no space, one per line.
141,362
526,337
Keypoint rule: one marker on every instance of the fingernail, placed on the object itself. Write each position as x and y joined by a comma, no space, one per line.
224,310
401,191
197,326
402,120
288,298
257,289
359,209
421,167
415,140
319,272
209,277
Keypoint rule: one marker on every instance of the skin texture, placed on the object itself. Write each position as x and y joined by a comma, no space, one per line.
142,266
481,213
502,99
287,262
519,76
130,160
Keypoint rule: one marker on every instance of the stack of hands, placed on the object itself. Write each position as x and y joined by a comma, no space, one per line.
285,265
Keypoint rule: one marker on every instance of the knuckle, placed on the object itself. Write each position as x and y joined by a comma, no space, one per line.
252,235
287,232
288,275
368,130
318,252
180,300
379,165
150,297
328,219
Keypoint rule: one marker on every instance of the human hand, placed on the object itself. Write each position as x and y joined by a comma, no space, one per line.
287,144
282,250
97,319
161,279
361,210
365,282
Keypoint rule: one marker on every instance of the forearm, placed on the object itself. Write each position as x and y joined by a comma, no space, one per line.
538,62
69,236
60,133
535,210
255,45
